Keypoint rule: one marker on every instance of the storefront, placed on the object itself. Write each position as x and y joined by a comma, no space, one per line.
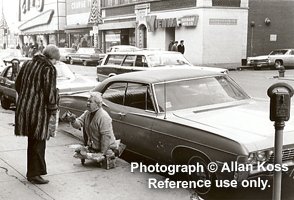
207,32
79,28
42,21
118,33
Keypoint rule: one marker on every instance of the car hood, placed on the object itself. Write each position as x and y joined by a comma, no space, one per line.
258,57
75,84
247,124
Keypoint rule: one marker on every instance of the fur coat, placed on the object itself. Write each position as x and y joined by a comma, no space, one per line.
37,98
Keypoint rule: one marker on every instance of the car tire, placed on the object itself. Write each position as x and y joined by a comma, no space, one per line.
204,192
85,63
278,64
5,103
71,61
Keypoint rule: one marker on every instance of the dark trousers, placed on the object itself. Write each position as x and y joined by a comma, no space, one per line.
36,164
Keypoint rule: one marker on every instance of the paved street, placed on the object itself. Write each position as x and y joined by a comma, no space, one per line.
71,180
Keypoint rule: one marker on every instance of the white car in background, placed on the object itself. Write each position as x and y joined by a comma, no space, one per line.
118,48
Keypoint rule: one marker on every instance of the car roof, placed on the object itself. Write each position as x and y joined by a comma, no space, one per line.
142,52
162,74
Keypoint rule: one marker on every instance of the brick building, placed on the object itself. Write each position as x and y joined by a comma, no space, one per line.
271,26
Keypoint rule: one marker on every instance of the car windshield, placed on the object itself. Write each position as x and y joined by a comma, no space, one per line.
184,94
279,52
158,60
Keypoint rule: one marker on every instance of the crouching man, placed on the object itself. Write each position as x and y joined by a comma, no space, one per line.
99,139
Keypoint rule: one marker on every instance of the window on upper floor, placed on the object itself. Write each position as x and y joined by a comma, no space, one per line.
226,3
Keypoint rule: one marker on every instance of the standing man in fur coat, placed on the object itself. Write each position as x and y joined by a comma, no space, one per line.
37,101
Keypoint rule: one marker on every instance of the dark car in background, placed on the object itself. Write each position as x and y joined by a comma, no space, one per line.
190,117
64,53
86,56
128,61
67,82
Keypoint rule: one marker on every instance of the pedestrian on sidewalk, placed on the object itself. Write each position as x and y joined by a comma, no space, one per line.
175,46
37,100
97,126
181,47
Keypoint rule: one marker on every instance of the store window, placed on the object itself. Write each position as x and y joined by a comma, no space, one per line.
119,37
82,40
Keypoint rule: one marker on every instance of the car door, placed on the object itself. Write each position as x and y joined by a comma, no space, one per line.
132,111
127,64
290,60
109,67
7,83
86,54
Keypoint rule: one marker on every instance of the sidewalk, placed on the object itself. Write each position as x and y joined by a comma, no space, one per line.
69,179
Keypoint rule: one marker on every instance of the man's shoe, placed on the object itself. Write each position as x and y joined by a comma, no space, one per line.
38,180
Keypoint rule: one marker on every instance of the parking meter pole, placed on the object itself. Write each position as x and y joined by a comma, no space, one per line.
280,104
279,127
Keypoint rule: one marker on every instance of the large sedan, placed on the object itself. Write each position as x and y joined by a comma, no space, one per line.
86,56
67,82
127,61
64,53
276,59
191,117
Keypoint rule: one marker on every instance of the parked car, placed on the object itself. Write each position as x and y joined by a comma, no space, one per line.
86,56
2,65
117,48
124,62
67,82
276,59
190,117
9,55
64,52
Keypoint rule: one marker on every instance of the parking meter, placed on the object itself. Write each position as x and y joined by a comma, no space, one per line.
280,100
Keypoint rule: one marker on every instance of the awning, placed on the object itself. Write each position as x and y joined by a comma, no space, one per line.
117,25
78,28
40,32
42,19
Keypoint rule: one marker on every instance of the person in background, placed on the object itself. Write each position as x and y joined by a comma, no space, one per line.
171,42
175,46
25,49
41,47
181,47
37,100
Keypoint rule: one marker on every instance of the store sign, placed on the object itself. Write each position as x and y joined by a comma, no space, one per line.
78,6
189,20
153,23
112,37
26,5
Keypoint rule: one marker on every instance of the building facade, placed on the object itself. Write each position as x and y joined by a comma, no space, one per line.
214,31
42,21
81,22
268,29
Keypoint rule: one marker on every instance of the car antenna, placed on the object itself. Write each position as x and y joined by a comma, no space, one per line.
164,90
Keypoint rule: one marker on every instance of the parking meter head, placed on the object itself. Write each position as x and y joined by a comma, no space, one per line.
280,101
